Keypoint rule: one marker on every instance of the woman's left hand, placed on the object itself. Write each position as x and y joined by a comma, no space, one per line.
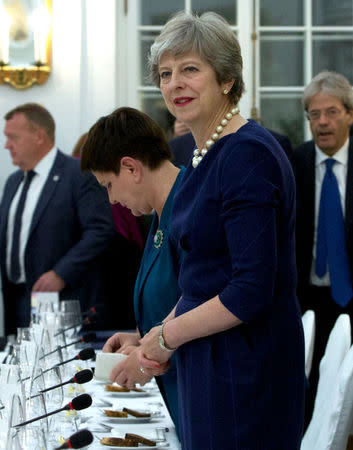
127,373
150,355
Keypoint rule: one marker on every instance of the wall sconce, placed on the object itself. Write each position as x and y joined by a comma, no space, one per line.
25,42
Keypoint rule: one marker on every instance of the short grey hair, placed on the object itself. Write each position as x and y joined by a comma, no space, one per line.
209,36
331,83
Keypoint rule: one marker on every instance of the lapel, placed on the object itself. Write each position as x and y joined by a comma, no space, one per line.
349,188
149,258
309,189
6,203
151,254
53,180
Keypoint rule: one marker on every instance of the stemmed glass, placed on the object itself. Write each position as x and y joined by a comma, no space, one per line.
72,306
28,438
24,334
42,302
71,315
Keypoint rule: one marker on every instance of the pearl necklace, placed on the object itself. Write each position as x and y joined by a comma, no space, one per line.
198,155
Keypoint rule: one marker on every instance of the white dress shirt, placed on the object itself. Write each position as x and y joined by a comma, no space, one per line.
42,170
340,170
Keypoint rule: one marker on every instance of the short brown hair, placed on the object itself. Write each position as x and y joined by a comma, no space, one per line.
36,114
124,132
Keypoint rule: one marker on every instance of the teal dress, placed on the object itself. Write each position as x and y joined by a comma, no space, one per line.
157,290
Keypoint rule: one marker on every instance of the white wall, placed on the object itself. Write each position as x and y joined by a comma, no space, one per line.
82,85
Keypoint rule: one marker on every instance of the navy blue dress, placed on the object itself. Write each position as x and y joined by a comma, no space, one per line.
234,216
157,291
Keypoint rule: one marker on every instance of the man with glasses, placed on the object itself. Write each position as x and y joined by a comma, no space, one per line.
324,175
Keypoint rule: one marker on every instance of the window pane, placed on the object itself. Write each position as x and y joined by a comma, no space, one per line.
332,12
157,12
333,53
283,113
152,103
281,59
226,8
146,40
281,13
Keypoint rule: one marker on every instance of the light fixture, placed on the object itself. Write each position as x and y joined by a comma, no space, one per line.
36,68
5,22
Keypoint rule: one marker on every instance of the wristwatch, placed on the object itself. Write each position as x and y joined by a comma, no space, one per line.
161,340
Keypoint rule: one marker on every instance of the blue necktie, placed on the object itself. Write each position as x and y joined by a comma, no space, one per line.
331,248
15,252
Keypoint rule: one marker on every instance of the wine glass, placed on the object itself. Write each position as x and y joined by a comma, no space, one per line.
72,314
24,334
53,398
73,306
35,407
43,302
28,438
9,374
7,394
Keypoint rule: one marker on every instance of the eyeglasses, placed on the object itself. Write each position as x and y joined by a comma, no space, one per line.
330,113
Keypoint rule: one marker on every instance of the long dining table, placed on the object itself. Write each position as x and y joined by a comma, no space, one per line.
157,426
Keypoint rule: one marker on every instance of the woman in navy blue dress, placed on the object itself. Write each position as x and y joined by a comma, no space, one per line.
128,153
236,331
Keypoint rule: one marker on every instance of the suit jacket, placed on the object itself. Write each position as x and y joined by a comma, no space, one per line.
71,225
182,147
304,169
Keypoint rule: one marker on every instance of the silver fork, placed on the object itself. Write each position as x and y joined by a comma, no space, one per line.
102,428
103,402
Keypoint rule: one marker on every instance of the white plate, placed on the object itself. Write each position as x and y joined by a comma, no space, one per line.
140,447
132,419
128,394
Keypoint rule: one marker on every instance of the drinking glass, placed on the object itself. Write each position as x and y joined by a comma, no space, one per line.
7,394
24,334
53,398
73,314
9,373
35,407
42,302
28,438
67,324
16,410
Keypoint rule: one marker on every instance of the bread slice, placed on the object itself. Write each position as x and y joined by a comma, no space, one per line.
135,413
140,439
118,442
114,388
115,413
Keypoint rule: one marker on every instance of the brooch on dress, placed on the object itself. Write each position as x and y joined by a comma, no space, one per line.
158,239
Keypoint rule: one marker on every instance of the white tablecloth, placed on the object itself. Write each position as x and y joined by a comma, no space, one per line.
152,401
93,416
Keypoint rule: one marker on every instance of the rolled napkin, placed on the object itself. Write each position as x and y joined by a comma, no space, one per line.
105,363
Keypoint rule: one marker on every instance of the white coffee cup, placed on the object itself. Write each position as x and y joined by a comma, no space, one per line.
105,363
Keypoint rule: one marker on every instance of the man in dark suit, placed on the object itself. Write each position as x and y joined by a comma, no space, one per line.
183,145
54,221
325,165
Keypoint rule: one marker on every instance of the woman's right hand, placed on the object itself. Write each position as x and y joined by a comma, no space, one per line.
119,342
127,373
